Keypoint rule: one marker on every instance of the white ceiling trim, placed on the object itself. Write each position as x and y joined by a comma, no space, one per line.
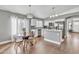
74,10
40,11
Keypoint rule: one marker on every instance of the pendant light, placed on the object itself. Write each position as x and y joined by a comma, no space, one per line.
54,13
29,15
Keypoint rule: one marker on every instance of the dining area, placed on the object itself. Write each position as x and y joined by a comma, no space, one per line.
27,40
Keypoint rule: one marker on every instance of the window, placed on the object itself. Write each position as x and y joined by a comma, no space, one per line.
76,26
13,26
17,24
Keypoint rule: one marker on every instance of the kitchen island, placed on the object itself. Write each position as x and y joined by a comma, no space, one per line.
52,35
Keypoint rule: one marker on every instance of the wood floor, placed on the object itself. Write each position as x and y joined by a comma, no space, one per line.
69,46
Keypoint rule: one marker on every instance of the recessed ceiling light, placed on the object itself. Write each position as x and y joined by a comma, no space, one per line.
50,16
56,15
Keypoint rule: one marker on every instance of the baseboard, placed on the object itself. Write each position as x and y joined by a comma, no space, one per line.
4,42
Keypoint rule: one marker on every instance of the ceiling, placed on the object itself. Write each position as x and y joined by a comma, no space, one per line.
41,11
